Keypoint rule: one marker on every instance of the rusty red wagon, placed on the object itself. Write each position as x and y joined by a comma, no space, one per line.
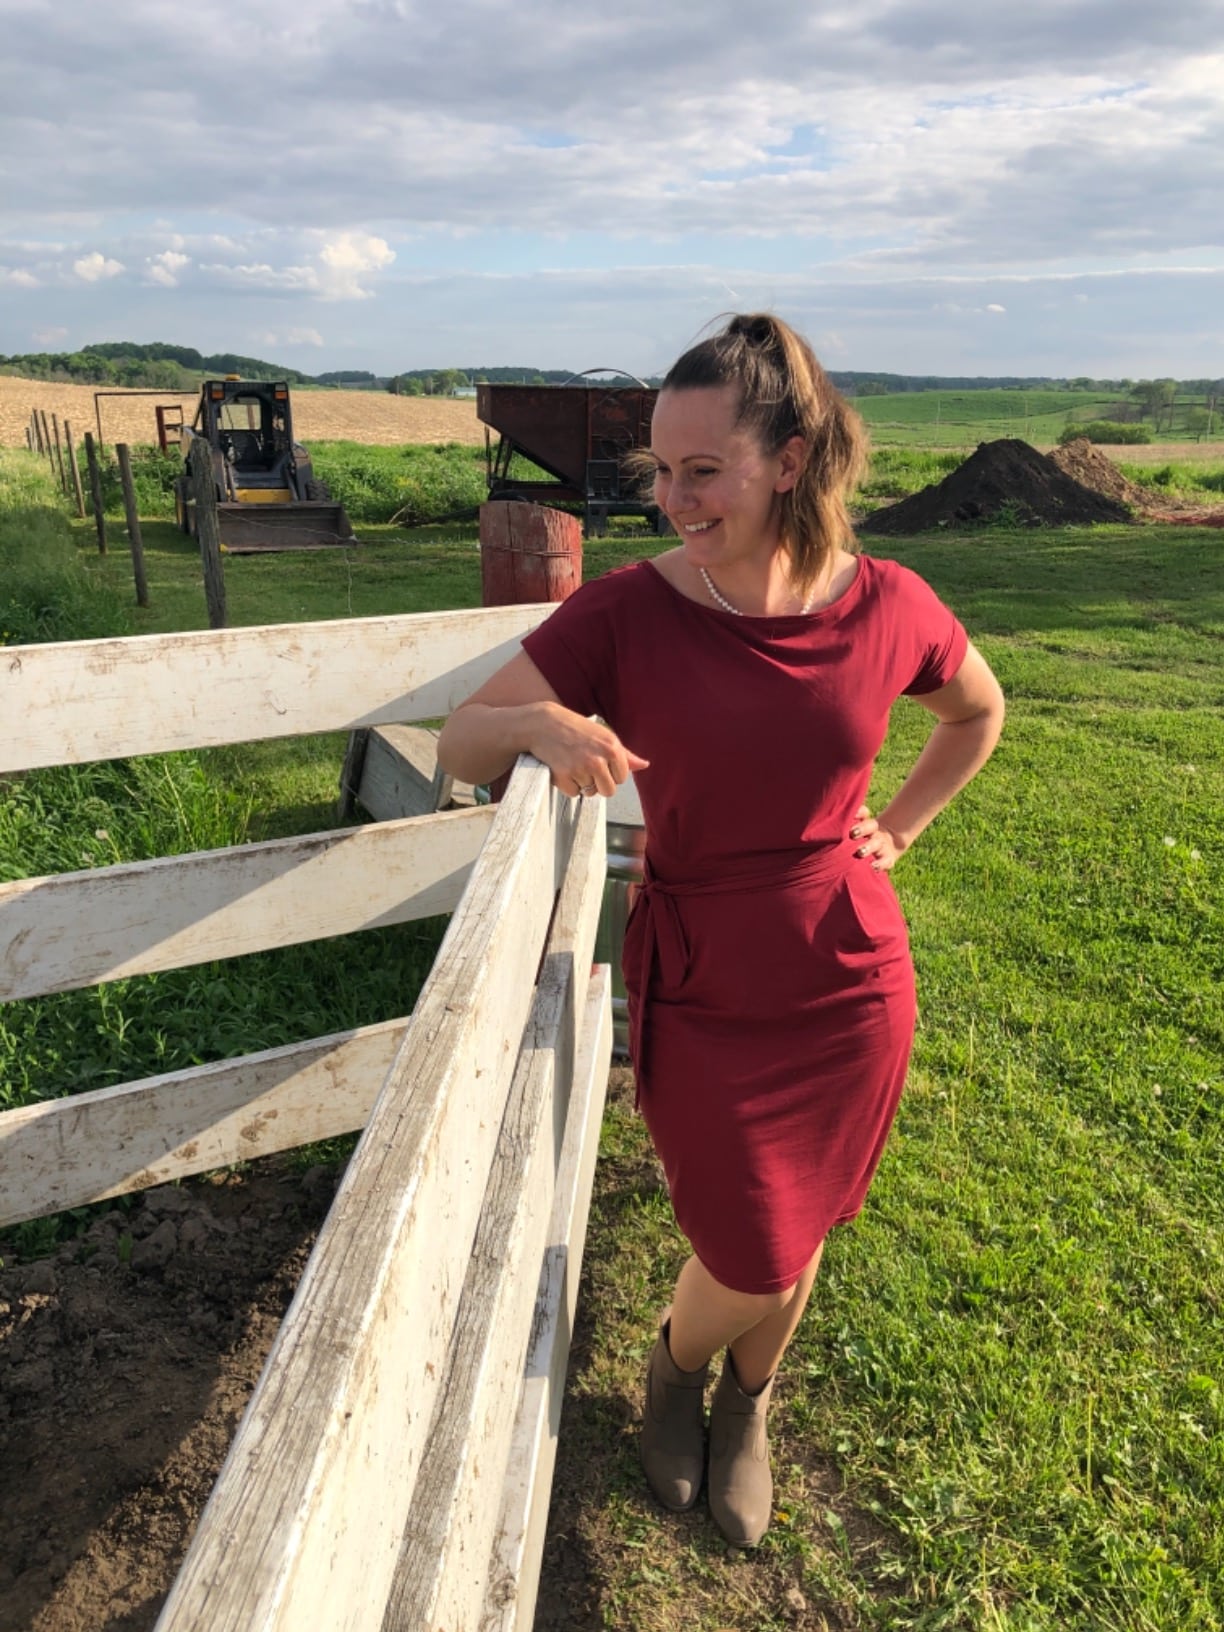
580,434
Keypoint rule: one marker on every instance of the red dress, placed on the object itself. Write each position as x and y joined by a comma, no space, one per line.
771,992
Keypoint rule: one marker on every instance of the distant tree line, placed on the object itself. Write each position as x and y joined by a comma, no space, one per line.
444,382
164,367
157,366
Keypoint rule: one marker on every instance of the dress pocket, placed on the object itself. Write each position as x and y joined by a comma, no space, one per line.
872,920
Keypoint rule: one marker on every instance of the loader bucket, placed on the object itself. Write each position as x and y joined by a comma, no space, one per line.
307,524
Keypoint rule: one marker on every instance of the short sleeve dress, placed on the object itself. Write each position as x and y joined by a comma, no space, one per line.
771,992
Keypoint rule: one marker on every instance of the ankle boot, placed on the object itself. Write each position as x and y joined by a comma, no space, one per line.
673,1441
741,1484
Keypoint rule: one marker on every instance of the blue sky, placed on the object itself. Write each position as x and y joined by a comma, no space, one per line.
922,185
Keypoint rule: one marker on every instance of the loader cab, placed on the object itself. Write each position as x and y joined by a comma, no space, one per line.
248,422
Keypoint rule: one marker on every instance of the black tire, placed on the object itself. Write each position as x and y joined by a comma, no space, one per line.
316,489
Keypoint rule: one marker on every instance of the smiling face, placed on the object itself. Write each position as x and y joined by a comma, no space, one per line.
716,483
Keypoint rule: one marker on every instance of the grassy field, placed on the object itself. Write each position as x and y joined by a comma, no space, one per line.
960,419
1005,1409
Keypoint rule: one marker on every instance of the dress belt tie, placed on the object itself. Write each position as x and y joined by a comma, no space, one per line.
664,943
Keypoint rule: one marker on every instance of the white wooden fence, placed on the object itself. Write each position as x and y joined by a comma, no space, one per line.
393,1468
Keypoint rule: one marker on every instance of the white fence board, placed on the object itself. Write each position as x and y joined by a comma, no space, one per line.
73,701
77,929
67,1152
303,1526
518,1544
440,1576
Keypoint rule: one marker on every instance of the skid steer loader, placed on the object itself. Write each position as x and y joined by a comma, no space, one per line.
268,497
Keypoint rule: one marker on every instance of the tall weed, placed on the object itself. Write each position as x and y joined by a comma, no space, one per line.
48,591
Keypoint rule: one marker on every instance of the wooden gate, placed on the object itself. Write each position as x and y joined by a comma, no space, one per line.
393,1467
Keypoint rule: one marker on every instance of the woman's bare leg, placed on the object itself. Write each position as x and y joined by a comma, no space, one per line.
707,1316
758,1351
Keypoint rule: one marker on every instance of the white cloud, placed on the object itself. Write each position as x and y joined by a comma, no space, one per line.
165,268
49,337
336,266
17,277
346,258
289,337
92,268
993,306
261,275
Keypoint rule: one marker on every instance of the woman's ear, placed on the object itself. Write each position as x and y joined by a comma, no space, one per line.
791,459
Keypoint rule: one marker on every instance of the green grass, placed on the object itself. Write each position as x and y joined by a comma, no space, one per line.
963,418
47,591
1200,481
1005,1409
413,485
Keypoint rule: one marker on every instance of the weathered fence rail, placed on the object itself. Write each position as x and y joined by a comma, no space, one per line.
392,1469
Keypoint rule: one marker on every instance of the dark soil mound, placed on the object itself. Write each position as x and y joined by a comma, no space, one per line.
1002,478
1087,465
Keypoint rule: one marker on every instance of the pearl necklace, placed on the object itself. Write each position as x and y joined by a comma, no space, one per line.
720,599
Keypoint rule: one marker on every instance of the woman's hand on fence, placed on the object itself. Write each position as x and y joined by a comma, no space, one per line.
585,756
517,711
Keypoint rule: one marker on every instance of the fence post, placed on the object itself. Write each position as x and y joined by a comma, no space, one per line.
59,455
204,492
75,469
133,523
37,443
95,490
47,449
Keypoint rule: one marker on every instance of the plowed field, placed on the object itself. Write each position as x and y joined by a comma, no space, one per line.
318,416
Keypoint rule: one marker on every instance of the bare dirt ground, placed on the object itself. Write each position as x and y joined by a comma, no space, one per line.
320,416
126,1362
1168,453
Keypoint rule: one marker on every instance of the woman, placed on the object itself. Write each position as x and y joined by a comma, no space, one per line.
745,678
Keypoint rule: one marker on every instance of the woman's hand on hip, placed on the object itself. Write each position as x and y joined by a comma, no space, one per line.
879,845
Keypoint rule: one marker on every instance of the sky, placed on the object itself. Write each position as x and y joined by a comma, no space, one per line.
921,186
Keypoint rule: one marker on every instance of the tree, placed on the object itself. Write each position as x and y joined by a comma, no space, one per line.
1198,422
1156,397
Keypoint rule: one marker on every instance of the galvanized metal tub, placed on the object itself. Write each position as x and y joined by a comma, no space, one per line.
626,848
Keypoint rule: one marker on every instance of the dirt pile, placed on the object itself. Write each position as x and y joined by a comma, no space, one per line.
1087,465
1003,478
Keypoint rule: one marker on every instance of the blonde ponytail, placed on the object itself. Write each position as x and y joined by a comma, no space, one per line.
783,393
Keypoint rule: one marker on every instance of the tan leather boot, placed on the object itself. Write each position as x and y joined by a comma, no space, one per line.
741,1484
673,1438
